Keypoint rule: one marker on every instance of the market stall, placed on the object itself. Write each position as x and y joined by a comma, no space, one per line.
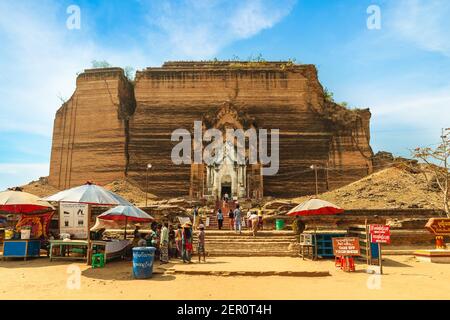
120,215
110,247
314,244
29,234
75,219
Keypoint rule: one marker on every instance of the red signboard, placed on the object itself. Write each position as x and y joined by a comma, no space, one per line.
439,226
346,247
380,233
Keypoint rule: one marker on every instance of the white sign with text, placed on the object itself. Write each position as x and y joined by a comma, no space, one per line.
73,219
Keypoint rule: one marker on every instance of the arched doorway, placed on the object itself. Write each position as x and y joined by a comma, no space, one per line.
226,186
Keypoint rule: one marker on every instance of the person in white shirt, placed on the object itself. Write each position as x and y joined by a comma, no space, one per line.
254,219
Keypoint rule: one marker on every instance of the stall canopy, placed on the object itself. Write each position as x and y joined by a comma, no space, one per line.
315,207
89,194
20,202
126,213
107,225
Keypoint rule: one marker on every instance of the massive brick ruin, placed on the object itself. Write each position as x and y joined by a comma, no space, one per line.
111,128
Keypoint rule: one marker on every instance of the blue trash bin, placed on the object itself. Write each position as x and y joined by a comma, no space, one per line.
143,262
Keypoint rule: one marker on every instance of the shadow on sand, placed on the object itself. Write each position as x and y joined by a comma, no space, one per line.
42,262
391,263
120,270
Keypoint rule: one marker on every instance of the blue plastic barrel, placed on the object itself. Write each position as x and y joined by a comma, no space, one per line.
143,262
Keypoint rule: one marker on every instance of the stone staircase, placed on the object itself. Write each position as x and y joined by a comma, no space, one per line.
226,207
266,243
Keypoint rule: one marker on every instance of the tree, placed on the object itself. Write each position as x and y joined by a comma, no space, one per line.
100,64
129,72
329,96
438,163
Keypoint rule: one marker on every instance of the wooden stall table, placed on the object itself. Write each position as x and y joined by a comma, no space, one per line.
23,248
307,247
64,249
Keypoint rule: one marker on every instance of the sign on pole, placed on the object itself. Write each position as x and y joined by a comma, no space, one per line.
439,226
346,247
380,233
74,219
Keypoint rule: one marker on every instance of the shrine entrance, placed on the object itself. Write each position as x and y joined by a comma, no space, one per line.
227,174
226,189
226,186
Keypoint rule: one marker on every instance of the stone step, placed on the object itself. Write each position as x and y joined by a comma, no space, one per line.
253,242
250,241
245,236
259,246
262,233
248,253
248,248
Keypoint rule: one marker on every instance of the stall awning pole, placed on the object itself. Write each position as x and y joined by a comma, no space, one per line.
125,234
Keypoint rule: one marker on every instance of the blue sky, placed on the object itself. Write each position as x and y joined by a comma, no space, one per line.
401,72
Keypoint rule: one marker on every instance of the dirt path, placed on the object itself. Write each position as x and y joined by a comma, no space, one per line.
405,278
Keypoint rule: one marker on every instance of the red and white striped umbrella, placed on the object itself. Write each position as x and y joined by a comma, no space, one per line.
22,202
126,213
315,207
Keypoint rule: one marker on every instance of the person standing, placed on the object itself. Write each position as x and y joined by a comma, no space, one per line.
231,217
237,219
254,220
195,213
249,221
178,241
172,243
158,241
201,243
187,242
260,219
164,244
151,237
220,218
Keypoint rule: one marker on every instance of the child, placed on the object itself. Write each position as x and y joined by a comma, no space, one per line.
142,242
201,243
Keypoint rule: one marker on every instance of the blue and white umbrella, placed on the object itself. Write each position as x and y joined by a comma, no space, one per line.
89,194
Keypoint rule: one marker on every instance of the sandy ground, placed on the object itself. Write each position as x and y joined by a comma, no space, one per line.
405,278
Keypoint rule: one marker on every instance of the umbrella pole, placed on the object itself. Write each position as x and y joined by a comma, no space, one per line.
125,234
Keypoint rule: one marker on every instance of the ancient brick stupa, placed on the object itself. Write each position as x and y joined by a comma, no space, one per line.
112,128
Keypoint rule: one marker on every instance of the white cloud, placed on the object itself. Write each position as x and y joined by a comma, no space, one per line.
40,57
200,29
39,60
418,107
425,23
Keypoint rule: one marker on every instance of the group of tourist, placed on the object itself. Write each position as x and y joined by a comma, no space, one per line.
254,220
177,242
170,242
